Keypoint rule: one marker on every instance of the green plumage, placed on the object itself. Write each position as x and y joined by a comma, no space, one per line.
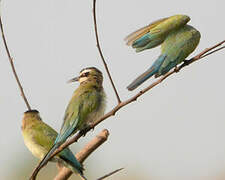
86,106
177,46
40,137
155,33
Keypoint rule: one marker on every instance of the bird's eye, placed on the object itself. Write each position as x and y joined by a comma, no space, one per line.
86,74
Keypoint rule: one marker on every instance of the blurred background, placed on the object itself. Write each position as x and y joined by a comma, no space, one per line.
174,132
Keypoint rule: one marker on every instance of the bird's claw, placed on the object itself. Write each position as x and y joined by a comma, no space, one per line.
176,69
85,130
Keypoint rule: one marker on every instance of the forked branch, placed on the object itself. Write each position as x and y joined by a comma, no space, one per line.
113,111
101,54
97,141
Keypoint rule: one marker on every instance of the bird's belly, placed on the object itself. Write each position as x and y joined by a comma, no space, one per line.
94,116
37,150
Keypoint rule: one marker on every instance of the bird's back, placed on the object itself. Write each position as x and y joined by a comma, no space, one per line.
86,105
177,46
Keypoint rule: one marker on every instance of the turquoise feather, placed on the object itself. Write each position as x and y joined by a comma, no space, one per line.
39,138
154,34
86,106
175,48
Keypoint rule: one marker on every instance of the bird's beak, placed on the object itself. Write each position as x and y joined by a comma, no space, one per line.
73,80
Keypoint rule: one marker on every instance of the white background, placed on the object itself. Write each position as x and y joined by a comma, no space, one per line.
174,132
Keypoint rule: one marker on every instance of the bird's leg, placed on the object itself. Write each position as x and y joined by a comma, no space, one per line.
176,69
85,130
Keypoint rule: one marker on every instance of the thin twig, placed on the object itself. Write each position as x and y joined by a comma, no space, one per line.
101,54
135,97
97,141
110,174
13,67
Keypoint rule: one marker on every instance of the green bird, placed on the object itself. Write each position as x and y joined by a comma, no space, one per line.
40,137
86,106
155,33
175,48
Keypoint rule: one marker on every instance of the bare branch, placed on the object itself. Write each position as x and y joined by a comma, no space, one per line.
97,141
135,97
132,99
101,54
12,66
110,174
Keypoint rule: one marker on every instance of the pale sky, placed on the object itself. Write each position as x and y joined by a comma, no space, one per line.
174,132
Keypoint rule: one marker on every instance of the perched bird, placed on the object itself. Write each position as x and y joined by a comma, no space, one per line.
85,107
39,138
155,33
175,48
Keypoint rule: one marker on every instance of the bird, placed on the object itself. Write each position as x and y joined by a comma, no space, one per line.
85,107
175,48
156,32
39,138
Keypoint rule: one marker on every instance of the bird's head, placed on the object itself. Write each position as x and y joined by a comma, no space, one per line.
29,117
183,19
90,74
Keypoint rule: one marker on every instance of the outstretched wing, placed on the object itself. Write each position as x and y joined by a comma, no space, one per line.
140,32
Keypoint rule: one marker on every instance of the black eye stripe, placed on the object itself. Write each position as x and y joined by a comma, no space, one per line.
84,74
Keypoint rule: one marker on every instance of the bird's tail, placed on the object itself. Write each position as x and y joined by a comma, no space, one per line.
82,176
76,171
147,74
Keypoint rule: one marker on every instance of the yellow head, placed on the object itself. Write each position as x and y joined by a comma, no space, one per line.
181,19
30,116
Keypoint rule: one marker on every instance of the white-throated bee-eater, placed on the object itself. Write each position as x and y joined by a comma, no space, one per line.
86,106
175,48
40,137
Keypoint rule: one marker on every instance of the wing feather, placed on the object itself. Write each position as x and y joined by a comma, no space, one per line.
140,32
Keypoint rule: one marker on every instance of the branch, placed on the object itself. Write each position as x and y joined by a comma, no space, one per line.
110,174
12,66
97,141
101,54
135,97
201,55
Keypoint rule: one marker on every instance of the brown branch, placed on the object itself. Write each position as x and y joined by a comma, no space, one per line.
101,54
12,66
97,141
110,174
135,97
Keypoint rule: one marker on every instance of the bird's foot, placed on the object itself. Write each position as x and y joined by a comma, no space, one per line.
176,69
85,130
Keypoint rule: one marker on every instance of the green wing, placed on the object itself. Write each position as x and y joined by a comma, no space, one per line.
43,135
81,105
140,32
178,46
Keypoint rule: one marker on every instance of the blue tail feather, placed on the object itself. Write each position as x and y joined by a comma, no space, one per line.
68,156
147,74
142,41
